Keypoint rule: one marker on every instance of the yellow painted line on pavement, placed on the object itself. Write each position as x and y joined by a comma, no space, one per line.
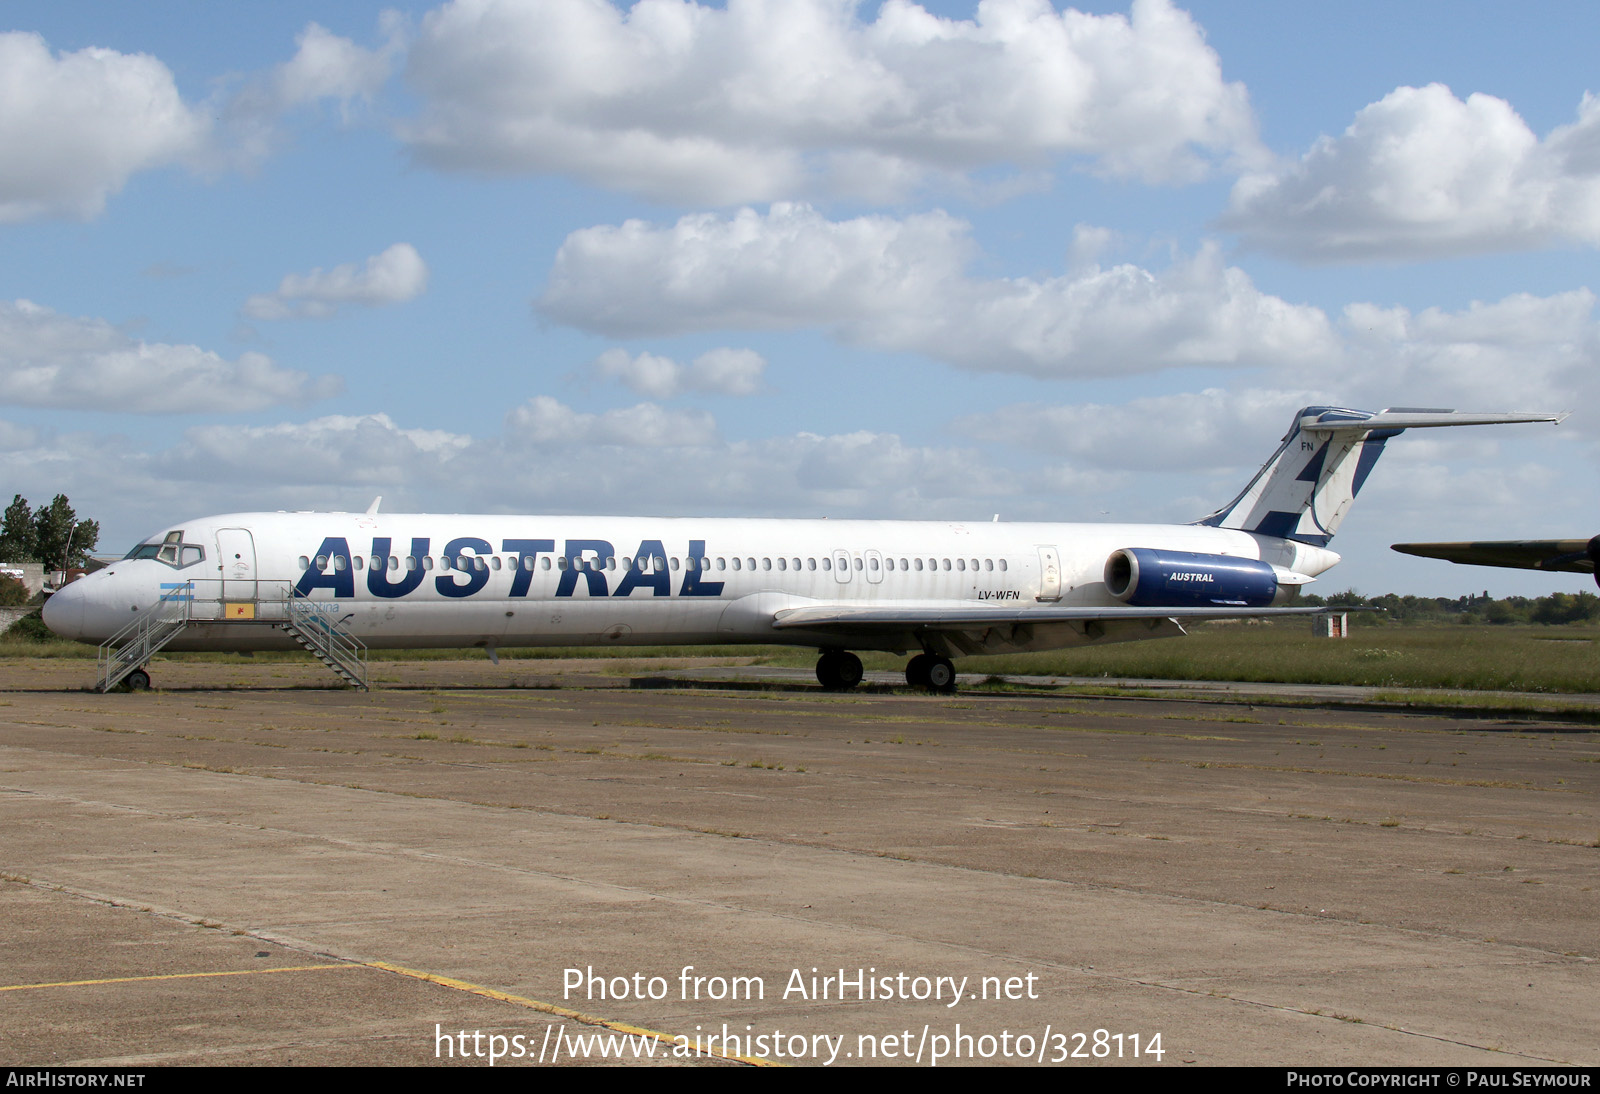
173,976
563,1012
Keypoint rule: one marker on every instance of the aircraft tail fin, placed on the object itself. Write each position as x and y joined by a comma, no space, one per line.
1304,491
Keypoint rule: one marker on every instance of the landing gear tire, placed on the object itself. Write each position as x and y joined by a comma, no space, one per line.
839,671
941,674
137,680
917,670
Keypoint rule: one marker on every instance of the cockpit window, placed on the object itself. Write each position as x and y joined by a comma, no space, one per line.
169,549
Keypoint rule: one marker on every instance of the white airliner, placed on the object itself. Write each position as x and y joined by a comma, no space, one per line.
252,581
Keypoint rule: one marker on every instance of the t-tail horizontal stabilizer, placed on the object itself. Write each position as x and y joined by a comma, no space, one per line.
1304,491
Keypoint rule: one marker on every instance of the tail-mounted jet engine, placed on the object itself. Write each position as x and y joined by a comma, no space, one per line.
1148,578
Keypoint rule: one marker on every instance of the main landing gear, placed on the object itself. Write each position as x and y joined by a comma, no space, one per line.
928,670
838,670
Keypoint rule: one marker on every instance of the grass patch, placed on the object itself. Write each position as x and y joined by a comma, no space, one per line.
1468,658
1553,660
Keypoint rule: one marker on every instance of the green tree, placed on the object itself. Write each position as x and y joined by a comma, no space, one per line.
1349,598
62,540
13,593
1558,608
18,540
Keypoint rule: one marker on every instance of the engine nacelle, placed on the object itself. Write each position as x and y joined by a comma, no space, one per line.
1148,578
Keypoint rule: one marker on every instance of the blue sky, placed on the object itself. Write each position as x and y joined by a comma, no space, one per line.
798,259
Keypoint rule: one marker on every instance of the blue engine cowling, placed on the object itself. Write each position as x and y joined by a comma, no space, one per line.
1148,578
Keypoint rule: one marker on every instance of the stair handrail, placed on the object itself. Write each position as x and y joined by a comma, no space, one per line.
135,643
344,649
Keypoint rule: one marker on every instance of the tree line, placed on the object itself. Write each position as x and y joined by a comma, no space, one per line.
1553,610
51,534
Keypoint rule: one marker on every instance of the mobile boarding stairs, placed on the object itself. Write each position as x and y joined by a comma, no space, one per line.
203,602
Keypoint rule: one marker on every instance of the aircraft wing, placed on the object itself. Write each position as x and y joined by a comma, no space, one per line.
1575,556
869,617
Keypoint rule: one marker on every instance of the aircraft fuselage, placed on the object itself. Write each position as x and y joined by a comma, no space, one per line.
418,580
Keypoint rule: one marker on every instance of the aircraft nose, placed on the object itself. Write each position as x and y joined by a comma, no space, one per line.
63,612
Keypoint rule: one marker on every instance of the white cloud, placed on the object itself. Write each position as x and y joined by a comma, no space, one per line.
1521,352
545,421
549,458
17,438
75,126
55,360
727,371
1421,174
767,99
898,284
327,66
721,371
1208,429
393,277
335,450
